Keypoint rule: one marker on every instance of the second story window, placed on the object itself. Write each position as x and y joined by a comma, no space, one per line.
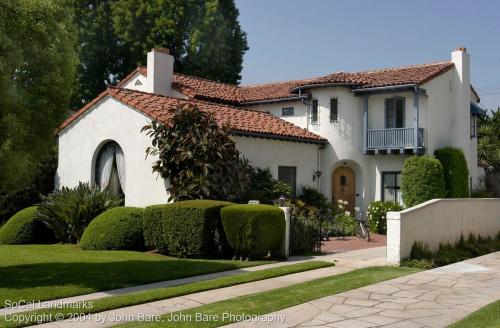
394,112
334,110
315,111
287,111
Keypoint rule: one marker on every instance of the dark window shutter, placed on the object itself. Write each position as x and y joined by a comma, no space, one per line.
334,111
315,114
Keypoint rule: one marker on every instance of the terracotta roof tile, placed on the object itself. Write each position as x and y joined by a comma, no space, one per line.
241,121
204,89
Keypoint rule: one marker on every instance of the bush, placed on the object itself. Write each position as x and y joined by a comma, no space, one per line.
264,188
420,251
119,228
26,227
422,179
43,184
456,174
193,228
69,211
313,197
377,215
253,230
153,231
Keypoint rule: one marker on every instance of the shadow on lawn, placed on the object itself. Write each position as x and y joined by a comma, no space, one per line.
104,276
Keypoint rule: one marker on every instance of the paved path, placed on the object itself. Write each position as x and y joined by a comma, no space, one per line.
434,298
345,262
351,243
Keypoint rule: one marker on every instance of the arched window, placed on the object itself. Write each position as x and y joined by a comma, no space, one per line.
110,168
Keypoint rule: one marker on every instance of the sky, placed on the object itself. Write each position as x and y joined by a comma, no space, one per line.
294,39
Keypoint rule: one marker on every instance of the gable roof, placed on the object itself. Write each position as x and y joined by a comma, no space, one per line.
199,88
241,121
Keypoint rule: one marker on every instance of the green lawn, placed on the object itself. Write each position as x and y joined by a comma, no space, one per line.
488,316
44,272
277,299
115,302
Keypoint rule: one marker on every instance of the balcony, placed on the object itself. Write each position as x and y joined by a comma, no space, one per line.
394,141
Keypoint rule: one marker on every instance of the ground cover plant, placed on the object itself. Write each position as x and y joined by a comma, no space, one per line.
464,249
120,301
69,271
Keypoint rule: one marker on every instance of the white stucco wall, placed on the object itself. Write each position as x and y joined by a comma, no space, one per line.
110,120
268,153
439,221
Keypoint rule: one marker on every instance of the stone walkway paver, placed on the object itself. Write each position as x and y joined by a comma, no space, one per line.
434,298
344,262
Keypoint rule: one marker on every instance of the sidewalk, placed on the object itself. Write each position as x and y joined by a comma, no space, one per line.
344,262
434,298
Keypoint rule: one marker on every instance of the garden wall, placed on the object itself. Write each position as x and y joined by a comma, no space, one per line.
440,220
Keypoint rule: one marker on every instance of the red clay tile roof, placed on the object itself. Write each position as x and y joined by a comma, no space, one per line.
241,121
416,74
198,88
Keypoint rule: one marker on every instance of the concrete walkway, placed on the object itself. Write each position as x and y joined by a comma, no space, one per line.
434,298
345,262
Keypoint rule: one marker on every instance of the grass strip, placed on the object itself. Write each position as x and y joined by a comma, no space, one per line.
214,315
488,316
115,302
48,272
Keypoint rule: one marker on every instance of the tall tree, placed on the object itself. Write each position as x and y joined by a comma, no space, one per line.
37,68
103,59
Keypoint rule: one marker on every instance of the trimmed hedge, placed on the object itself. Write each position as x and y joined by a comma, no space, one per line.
193,228
119,228
153,227
456,173
253,230
26,227
422,179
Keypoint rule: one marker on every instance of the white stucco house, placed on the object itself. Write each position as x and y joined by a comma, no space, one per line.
346,134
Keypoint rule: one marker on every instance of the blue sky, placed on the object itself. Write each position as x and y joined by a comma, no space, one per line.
292,39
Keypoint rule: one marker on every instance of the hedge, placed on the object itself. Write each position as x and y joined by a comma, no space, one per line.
25,227
153,227
456,174
193,228
253,230
422,179
119,228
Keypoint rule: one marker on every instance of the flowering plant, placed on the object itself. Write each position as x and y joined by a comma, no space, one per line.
377,212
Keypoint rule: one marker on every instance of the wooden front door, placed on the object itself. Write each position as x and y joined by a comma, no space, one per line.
344,187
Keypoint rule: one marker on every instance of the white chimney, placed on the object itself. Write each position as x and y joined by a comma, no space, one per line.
461,109
160,66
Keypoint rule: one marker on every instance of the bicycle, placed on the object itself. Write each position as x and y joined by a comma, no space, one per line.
362,230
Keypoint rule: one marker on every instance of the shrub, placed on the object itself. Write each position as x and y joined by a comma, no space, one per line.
253,230
26,227
153,227
420,251
119,228
456,174
422,179
193,228
69,211
377,215
265,188
313,197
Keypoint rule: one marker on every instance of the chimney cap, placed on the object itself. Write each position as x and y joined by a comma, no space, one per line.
162,50
463,49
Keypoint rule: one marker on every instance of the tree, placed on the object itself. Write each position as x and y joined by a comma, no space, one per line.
204,37
488,143
198,157
37,67
422,179
103,59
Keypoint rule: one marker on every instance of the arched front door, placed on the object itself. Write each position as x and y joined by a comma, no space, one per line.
344,187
